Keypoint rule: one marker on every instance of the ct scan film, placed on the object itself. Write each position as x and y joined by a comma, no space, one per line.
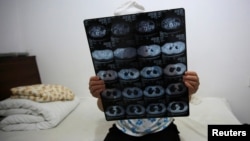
141,58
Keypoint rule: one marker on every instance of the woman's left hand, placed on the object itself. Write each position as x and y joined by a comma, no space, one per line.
191,81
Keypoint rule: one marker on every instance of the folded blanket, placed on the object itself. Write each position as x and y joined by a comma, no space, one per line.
42,92
25,114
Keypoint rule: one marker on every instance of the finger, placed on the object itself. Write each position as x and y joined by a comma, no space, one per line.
194,83
192,86
188,85
96,88
191,76
96,85
97,93
191,90
93,79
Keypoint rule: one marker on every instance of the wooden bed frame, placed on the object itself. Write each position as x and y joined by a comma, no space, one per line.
17,71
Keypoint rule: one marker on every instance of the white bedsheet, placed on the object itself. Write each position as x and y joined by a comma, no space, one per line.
87,123
204,111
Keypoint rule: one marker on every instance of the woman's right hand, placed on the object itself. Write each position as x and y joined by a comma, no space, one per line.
96,86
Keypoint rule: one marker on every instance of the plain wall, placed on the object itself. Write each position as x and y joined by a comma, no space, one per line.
52,30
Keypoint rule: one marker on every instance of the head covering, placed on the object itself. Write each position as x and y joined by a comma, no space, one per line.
130,7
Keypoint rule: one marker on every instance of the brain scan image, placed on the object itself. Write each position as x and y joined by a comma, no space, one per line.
153,91
156,108
132,92
151,72
149,50
102,55
176,88
112,94
97,31
177,107
125,53
107,75
129,74
173,48
171,23
120,29
145,26
135,110
115,111
175,69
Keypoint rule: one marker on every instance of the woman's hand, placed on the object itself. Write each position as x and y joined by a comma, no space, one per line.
191,81
96,86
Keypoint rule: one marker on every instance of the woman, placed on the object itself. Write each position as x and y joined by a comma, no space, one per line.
148,129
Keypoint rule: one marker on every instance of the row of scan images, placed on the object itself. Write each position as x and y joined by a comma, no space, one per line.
170,48
147,72
151,110
101,28
136,93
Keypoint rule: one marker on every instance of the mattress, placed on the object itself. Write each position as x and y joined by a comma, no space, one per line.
87,123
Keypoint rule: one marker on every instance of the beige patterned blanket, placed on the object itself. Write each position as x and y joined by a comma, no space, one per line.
42,93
